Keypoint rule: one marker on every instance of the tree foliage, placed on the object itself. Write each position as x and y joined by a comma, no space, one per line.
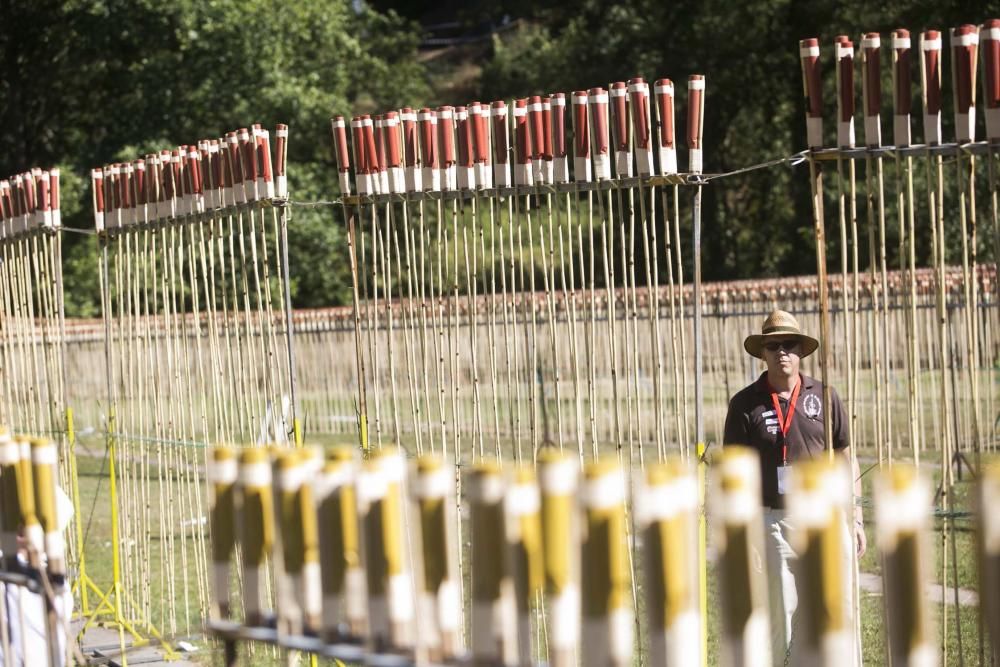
87,82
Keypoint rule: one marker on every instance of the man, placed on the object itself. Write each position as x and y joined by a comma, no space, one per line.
781,416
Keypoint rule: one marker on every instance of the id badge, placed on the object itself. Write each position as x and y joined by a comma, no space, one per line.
784,479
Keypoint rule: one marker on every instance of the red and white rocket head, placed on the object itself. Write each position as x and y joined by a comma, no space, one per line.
621,131
479,133
902,95
265,175
210,173
581,137
371,163
812,89
99,196
696,121
411,150
545,151
115,189
663,89
281,161
871,87
600,140
6,214
54,197
362,180
638,92
338,128
843,51
446,146
392,140
930,78
523,148
142,212
537,131
193,179
227,172
964,48
235,161
151,187
501,144
10,191
381,166
430,158
557,123
248,155
43,203
989,48
479,119
465,161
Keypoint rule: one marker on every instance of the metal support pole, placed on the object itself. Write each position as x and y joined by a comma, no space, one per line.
699,390
699,418
283,217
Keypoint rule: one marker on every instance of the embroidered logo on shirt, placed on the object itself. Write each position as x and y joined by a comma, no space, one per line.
768,422
811,406
767,413
772,429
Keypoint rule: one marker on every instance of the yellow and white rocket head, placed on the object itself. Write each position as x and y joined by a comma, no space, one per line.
558,481
222,474
440,597
736,509
824,631
297,469
522,503
343,582
606,575
902,513
381,499
10,503
667,520
256,527
494,616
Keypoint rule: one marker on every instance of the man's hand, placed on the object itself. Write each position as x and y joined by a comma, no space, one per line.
860,540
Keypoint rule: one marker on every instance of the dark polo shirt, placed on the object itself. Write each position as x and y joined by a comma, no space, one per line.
751,421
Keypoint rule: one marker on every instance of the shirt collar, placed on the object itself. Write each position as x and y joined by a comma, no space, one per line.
765,388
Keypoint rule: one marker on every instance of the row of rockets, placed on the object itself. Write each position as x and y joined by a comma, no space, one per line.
612,131
965,41
29,201
366,553
622,131
233,170
486,146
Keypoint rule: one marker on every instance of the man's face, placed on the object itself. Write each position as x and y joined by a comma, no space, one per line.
782,357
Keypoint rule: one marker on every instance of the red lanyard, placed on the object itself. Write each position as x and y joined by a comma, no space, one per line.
785,421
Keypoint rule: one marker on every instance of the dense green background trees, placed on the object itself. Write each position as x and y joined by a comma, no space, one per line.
86,82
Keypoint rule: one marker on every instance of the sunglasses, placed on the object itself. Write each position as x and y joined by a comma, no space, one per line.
787,345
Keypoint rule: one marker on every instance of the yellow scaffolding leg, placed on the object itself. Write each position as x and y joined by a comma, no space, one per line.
109,602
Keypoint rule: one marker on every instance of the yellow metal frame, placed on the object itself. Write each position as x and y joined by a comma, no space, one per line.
107,611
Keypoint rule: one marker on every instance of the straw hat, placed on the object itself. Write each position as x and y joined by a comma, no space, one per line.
780,325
